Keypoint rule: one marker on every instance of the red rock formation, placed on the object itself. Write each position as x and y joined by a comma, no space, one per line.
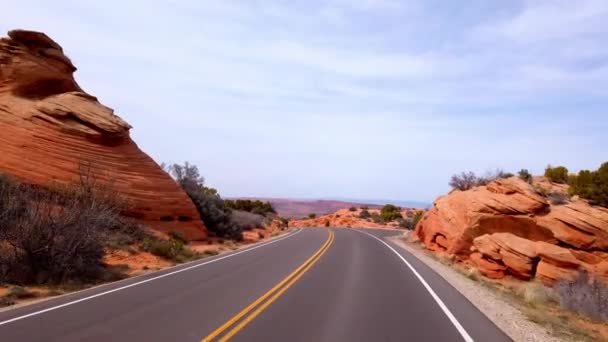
50,126
344,218
507,228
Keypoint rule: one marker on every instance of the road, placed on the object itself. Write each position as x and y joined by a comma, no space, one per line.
315,284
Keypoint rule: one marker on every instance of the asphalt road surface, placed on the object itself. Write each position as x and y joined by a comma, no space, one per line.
315,284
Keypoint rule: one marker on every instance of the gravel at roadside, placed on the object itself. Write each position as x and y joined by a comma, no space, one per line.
498,309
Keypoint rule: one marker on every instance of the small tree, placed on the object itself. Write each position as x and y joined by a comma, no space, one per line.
558,174
327,223
352,209
312,216
591,185
525,175
390,213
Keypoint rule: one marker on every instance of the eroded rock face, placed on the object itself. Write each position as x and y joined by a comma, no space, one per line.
50,127
506,228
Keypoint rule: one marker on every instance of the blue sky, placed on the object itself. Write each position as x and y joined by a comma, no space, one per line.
359,99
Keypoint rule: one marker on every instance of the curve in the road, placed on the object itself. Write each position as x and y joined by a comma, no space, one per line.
197,264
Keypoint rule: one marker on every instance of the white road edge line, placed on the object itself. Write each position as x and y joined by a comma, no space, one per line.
144,281
441,304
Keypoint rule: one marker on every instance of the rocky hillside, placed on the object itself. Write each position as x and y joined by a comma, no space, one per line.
50,126
510,227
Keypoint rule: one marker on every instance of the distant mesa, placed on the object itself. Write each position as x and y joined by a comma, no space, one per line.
50,125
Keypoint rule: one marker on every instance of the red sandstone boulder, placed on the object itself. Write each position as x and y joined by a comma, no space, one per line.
50,126
506,227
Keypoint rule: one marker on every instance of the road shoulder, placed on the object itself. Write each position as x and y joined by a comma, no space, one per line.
505,316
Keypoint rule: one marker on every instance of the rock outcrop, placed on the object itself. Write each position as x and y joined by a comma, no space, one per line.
51,127
507,228
345,218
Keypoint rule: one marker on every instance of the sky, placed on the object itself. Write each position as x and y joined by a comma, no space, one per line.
375,99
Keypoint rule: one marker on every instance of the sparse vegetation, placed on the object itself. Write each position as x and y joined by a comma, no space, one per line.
58,233
352,209
390,213
525,175
171,249
247,220
376,218
326,223
364,214
417,217
212,208
584,295
405,223
558,174
468,180
252,206
312,216
591,185
463,181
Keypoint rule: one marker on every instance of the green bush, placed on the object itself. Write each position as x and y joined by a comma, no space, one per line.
171,249
211,207
591,185
252,206
390,213
312,216
558,174
525,175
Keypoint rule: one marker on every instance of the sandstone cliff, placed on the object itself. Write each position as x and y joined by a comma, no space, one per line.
510,228
50,126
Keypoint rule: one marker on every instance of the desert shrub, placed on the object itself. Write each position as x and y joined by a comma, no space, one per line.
364,214
405,223
326,223
390,213
352,209
179,236
558,174
211,207
525,175
591,185
558,198
247,220
376,218
312,216
463,181
468,180
364,207
584,295
55,234
540,190
172,249
417,217
492,176
252,206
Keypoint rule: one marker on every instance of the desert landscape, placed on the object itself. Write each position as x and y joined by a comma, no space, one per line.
122,207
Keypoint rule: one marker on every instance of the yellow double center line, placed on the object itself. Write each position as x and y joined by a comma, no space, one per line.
231,327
